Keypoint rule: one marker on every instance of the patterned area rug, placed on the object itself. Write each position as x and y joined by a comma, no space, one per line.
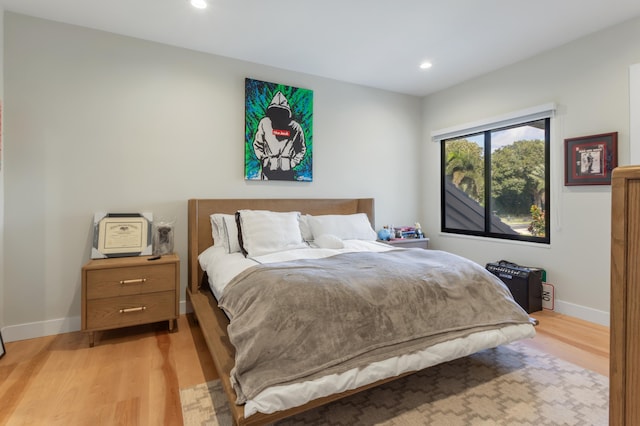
509,385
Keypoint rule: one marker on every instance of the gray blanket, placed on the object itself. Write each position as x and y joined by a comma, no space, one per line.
298,320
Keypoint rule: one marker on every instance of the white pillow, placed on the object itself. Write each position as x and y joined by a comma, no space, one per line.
217,229
305,229
220,234
328,241
345,227
231,231
265,232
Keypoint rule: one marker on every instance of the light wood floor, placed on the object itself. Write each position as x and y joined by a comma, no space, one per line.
133,376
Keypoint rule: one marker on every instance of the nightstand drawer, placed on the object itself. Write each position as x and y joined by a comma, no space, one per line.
130,310
422,243
129,281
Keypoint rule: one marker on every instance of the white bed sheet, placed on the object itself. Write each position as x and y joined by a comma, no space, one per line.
277,398
221,267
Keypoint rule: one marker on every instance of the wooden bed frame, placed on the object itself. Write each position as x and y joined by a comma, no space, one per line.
212,319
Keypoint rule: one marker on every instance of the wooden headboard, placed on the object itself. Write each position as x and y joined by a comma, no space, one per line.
199,231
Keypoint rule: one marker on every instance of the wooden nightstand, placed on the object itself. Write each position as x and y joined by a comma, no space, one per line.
410,242
119,292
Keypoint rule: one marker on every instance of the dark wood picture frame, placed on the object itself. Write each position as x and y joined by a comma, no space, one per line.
589,160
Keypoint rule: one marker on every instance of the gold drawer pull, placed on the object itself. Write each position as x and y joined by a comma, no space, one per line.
138,309
136,281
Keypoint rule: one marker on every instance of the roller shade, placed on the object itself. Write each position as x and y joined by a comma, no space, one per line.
517,117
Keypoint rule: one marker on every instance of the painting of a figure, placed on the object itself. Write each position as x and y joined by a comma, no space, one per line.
278,132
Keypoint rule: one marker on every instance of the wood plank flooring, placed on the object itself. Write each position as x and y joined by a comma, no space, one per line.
133,376
580,342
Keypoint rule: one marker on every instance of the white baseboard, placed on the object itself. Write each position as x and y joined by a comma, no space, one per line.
582,312
32,330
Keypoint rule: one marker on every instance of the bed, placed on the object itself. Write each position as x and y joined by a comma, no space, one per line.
254,399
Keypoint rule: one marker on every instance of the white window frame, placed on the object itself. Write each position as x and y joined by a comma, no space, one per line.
517,117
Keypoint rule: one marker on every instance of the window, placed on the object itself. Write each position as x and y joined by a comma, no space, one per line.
495,181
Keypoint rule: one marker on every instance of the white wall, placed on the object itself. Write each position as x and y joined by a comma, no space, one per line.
101,122
588,79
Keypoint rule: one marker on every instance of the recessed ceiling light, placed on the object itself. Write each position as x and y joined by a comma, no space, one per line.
199,4
425,65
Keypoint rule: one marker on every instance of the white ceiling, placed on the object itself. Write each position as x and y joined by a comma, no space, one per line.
374,43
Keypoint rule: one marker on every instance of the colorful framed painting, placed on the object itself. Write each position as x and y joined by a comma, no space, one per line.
589,160
278,134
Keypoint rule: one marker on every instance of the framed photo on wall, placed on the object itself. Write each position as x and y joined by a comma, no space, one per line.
589,160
